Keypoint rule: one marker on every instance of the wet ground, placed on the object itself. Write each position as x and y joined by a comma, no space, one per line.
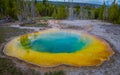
104,30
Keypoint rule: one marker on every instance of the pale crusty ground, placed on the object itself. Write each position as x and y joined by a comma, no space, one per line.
104,30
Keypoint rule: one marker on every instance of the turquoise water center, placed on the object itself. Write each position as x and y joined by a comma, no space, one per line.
55,47
58,42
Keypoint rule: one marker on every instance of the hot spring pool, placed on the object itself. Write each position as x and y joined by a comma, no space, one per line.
55,47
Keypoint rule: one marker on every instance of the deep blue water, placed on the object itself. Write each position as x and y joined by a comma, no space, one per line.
58,42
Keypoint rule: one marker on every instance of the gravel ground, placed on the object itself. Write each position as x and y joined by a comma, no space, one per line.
106,31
